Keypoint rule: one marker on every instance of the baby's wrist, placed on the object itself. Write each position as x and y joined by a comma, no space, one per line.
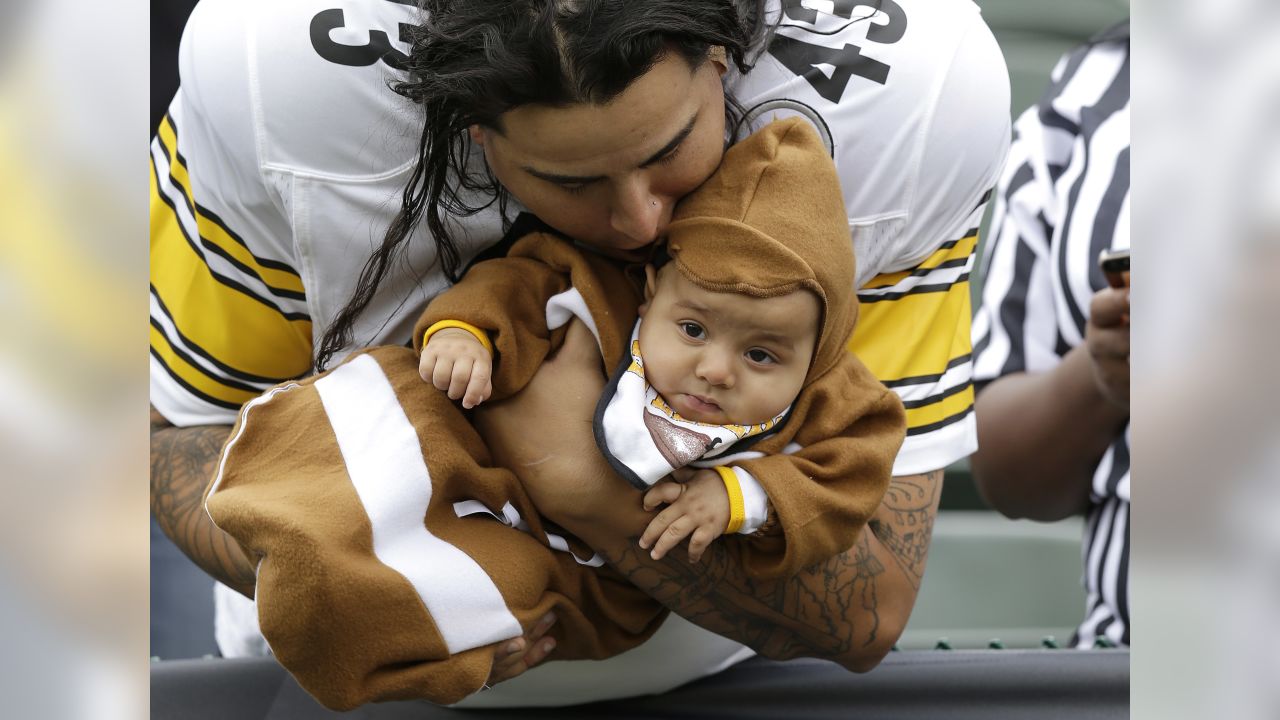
754,499
450,334
457,328
733,489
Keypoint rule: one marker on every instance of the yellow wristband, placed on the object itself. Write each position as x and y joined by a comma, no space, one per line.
480,334
737,508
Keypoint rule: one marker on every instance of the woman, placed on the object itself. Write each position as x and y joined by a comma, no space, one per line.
284,150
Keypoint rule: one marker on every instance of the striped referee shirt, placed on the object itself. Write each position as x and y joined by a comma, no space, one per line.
1063,198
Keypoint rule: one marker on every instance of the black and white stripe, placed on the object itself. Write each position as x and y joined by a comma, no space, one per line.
1063,198
223,267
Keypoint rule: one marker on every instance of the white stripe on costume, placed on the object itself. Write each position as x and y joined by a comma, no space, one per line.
384,460
511,517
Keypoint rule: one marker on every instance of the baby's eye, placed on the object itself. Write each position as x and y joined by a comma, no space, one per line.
693,330
761,357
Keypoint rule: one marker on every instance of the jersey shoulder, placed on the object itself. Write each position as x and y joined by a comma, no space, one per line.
913,98
307,80
826,54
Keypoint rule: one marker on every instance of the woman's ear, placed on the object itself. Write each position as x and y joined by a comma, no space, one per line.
650,287
720,58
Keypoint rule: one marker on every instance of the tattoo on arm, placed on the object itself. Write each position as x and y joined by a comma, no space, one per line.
182,462
828,611
833,610
904,523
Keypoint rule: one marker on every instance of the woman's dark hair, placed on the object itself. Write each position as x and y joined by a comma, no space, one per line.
471,61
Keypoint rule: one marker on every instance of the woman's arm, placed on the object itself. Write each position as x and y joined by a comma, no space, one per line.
850,609
182,462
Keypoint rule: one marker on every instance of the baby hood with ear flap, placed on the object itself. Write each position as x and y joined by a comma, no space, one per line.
772,221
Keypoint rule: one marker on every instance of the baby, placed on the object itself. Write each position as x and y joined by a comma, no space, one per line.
750,303
712,358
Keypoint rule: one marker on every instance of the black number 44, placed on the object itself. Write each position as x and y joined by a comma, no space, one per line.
803,58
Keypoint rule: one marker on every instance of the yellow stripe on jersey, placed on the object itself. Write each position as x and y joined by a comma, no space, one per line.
900,338
235,327
215,232
936,412
195,379
961,250
919,335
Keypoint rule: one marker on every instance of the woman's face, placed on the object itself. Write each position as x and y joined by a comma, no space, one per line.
610,175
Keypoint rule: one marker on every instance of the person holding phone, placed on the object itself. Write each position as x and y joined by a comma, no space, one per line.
1051,336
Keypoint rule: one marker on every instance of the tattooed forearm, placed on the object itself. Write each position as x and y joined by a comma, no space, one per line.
830,611
182,462
850,609
904,523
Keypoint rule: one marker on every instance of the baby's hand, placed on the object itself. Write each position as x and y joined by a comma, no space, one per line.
699,507
455,362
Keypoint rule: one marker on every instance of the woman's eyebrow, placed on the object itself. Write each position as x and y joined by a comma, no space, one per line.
583,179
675,142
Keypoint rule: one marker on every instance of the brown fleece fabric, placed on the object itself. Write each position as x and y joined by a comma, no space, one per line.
508,298
354,630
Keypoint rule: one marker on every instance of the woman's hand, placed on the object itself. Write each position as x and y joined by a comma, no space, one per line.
522,653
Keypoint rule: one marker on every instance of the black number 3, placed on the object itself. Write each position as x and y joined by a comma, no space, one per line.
378,48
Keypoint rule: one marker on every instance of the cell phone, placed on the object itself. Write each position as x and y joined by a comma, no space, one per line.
1115,266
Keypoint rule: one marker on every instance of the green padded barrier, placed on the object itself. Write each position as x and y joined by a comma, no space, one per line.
989,579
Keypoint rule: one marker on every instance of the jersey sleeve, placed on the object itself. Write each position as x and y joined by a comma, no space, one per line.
913,333
228,309
914,321
964,152
915,101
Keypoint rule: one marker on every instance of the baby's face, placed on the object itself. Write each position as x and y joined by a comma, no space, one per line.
725,358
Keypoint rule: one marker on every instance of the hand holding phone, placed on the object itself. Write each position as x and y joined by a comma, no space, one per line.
1115,267
1107,334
